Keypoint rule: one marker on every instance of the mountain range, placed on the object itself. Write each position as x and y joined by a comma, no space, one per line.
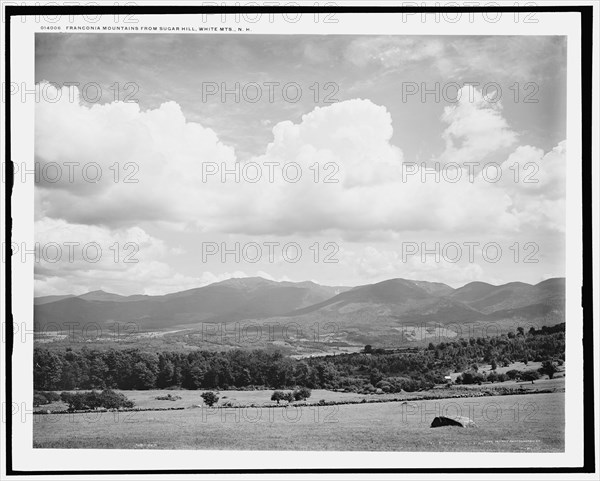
377,308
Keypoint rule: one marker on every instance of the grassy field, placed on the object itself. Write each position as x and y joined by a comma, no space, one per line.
147,399
517,423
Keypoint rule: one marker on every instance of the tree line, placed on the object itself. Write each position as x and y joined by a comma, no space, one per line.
393,370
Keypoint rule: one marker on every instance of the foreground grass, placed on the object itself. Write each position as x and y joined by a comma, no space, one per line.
520,423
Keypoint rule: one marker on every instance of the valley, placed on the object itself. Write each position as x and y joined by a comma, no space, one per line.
301,319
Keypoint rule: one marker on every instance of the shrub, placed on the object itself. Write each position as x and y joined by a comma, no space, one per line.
384,386
209,398
302,393
548,368
76,402
470,377
530,375
39,399
278,396
168,397
51,396
108,399
65,396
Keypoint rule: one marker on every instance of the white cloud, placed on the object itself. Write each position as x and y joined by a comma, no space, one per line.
78,258
476,127
536,183
349,141
149,161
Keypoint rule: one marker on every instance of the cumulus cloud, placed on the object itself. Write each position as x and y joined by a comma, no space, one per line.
476,127
536,184
78,258
125,164
351,178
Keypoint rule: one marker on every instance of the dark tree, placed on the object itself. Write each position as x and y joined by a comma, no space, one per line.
530,375
548,368
209,398
302,394
278,396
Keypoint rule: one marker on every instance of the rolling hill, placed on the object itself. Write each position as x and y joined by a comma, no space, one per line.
379,309
230,300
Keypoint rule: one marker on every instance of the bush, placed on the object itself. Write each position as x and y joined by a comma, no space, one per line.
39,399
51,396
530,375
77,402
513,374
548,368
168,397
209,398
65,396
278,396
470,377
108,399
384,386
302,393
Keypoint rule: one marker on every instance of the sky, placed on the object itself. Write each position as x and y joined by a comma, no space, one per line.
344,131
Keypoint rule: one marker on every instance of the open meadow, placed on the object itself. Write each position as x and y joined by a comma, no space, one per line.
514,423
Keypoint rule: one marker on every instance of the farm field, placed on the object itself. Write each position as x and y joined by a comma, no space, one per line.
515,423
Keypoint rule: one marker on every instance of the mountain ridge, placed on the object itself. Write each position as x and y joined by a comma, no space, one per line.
379,306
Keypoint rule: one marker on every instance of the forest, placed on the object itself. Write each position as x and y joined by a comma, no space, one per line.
387,369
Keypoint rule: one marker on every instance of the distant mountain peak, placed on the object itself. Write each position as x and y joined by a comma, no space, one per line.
244,281
99,295
382,305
